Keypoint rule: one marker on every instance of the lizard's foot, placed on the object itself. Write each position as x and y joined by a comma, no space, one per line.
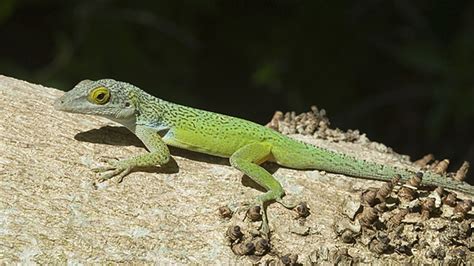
256,210
259,212
115,169
261,203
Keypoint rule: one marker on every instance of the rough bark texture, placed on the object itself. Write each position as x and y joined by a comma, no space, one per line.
51,211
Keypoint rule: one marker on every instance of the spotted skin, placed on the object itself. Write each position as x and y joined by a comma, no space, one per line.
158,123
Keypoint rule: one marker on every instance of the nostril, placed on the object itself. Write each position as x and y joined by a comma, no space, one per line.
59,104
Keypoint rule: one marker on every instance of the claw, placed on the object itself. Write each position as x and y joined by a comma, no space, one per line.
109,175
117,169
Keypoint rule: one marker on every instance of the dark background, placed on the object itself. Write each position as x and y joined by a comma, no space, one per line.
400,70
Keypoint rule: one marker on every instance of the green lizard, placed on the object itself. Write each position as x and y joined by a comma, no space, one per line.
158,123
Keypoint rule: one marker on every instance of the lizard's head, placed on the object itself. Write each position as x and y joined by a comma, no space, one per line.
105,97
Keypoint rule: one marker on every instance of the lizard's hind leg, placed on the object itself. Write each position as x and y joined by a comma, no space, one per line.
247,160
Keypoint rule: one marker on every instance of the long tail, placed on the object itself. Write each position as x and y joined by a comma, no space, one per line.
323,159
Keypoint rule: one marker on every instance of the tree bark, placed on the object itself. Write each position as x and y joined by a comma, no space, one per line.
52,210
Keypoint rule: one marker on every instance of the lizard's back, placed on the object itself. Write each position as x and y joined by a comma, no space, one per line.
210,132
222,135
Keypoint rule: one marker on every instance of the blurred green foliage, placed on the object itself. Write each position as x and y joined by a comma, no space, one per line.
391,68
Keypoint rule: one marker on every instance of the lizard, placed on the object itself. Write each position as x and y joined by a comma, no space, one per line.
159,123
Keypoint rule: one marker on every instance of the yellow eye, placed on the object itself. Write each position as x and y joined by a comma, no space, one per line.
99,95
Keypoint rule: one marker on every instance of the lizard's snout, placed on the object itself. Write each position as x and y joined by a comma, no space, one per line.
63,104
59,104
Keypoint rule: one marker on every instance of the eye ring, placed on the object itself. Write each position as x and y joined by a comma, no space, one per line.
99,95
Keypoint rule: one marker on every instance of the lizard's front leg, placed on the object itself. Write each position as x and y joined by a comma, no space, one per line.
159,155
247,160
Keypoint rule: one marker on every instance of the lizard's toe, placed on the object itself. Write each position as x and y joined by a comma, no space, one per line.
102,169
119,177
117,173
112,164
115,169
106,176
